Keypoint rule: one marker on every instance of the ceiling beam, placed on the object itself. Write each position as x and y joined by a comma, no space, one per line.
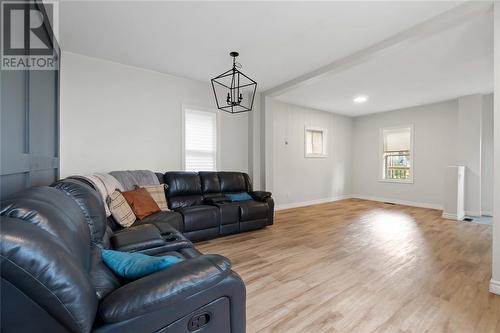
439,23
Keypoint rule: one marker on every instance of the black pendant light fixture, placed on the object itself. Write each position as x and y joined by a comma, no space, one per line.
234,91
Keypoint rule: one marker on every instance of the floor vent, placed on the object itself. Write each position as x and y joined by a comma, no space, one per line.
389,203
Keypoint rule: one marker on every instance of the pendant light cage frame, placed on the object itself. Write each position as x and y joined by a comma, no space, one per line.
234,91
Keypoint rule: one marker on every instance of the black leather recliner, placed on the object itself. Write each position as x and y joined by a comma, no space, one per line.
206,213
53,278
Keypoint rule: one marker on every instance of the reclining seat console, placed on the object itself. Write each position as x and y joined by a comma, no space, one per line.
229,211
184,196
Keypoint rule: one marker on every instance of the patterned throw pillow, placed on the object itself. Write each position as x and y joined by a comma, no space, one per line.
120,209
158,194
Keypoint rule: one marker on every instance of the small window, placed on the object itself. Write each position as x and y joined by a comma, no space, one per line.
315,142
397,154
200,140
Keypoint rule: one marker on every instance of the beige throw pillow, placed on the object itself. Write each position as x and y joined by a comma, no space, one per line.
120,209
158,194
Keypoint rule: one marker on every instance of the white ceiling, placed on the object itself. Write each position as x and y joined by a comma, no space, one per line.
453,63
278,41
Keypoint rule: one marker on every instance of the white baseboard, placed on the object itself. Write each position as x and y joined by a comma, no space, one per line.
398,202
310,202
487,213
451,216
495,287
472,213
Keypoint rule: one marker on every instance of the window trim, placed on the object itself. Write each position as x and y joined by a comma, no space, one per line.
324,154
381,155
186,107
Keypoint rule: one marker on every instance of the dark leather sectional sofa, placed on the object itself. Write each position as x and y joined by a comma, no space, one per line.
53,278
199,209
199,198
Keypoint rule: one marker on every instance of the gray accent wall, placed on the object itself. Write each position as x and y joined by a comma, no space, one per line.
29,129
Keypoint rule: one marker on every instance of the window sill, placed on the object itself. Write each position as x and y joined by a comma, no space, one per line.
316,156
396,181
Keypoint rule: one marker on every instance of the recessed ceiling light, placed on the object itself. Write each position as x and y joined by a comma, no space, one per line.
360,99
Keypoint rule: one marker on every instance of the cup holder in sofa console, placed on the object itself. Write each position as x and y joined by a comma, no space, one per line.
171,238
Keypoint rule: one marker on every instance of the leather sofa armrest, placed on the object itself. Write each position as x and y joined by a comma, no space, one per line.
174,241
164,288
137,238
260,195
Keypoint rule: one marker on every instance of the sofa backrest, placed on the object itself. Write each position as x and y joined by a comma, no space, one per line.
183,190
234,182
46,254
91,206
210,184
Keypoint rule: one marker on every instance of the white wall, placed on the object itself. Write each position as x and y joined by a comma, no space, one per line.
445,133
255,139
470,114
435,137
297,179
117,117
487,156
495,279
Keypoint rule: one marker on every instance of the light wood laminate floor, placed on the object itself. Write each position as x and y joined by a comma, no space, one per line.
363,266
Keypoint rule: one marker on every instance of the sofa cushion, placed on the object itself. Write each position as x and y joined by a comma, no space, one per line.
165,221
141,202
200,217
232,182
253,210
248,182
182,183
209,182
184,201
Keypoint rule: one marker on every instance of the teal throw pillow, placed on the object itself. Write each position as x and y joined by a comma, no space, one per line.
243,196
135,265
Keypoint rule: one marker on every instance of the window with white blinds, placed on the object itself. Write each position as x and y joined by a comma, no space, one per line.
315,142
200,140
397,154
